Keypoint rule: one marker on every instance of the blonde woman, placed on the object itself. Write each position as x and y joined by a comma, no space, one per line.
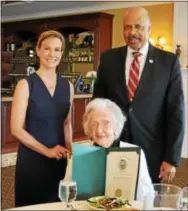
41,121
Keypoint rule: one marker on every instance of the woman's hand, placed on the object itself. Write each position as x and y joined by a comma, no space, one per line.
58,152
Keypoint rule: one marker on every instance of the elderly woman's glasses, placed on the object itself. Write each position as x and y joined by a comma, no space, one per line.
102,125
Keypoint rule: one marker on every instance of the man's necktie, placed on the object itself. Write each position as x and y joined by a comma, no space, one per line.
133,75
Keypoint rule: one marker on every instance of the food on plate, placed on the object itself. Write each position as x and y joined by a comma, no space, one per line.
109,203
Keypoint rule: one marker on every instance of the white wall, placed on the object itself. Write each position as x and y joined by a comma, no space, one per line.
181,35
185,86
181,30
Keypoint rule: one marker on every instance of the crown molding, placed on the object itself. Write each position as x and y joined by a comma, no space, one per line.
76,8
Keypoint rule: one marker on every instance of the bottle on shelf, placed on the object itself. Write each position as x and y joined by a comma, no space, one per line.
7,46
12,46
79,56
89,56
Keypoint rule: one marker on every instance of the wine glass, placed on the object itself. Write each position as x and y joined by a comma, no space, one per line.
166,197
67,192
184,199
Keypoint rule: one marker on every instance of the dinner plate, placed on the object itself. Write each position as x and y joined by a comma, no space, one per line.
92,200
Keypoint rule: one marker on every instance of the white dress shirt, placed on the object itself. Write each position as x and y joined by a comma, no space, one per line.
145,190
130,57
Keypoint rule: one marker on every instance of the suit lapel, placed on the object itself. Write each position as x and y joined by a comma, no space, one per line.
122,88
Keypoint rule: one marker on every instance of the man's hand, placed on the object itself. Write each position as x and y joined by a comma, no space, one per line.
167,172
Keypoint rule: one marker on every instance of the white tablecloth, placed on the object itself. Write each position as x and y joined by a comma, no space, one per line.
80,205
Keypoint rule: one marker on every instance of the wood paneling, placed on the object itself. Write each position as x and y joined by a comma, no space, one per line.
78,111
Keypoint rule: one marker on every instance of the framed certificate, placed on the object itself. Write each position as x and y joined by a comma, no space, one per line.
122,170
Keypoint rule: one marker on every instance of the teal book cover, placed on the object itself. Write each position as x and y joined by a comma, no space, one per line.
89,170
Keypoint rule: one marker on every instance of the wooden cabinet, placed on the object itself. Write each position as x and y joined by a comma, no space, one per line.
99,23
10,144
6,55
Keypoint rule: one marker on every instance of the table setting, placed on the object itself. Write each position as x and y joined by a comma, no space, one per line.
167,197
81,191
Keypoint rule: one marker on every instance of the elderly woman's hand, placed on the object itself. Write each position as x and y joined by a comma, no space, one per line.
58,152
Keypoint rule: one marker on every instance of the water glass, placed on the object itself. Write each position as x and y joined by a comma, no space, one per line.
166,197
67,192
184,199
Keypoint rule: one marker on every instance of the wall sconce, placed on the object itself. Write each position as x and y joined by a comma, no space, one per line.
161,42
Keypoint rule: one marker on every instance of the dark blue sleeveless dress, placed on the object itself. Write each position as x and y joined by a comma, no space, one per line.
37,177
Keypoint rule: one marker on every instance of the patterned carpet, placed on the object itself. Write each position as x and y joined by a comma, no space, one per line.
7,187
7,183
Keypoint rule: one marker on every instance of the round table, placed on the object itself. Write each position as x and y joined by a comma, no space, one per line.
79,205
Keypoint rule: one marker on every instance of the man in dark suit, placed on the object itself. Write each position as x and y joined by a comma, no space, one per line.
146,83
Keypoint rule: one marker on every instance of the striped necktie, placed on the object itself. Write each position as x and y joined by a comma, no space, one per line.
133,76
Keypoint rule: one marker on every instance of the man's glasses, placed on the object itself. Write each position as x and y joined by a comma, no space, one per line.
137,27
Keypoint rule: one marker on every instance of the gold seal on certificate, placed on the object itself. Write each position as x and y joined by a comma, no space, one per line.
118,192
122,166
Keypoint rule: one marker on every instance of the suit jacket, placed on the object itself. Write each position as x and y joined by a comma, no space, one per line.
156,115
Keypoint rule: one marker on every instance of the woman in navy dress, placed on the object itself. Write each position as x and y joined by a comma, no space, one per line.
41,121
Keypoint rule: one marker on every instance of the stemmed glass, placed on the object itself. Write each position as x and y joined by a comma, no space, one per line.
67,192
184,199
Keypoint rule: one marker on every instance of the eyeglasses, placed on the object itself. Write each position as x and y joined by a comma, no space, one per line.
137,27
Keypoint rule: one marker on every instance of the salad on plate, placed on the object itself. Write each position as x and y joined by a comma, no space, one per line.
109,203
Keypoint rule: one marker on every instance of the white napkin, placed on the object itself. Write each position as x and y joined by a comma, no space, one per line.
68,174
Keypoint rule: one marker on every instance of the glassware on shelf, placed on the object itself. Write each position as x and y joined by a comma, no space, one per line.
166,197
67,193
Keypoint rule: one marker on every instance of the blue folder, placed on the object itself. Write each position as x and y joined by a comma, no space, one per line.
89,170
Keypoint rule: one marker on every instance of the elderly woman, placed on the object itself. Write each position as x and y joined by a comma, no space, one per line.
103,122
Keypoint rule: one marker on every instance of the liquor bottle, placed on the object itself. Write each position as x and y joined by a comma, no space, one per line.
12,46
89,57
8,46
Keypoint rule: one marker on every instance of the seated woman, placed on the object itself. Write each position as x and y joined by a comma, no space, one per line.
103,122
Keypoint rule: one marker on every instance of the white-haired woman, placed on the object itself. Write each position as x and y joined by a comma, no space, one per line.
103,122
